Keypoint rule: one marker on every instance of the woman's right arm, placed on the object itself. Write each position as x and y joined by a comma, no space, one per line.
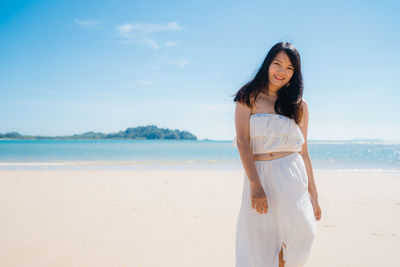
242,118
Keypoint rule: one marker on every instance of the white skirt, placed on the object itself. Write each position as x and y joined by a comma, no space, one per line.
289,223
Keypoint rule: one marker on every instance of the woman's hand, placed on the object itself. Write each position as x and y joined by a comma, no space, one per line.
317,209
258,198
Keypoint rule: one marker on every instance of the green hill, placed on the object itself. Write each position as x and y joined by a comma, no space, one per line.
140,132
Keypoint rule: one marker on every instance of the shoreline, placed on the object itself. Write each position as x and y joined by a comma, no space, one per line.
160,166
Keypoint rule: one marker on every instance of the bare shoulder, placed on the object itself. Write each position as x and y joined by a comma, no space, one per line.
304,105
242,117
242,109
304,116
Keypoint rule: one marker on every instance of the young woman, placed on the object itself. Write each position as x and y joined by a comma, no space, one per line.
279,211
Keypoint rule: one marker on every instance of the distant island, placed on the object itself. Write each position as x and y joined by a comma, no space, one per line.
141,132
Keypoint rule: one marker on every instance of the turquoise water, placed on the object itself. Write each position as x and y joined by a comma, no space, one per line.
182,154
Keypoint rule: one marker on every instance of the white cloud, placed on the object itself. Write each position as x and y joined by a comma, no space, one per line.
141,40
167,44
149,27
178,62
88,24
149,41
138,33
124,29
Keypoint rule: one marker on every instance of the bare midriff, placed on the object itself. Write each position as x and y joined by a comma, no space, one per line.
272,155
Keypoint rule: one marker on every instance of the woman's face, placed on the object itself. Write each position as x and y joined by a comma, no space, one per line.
280,70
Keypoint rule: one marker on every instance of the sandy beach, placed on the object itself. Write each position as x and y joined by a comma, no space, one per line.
180,218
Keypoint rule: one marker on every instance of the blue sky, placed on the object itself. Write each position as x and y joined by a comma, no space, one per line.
69,67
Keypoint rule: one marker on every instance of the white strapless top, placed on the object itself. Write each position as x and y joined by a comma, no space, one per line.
271,132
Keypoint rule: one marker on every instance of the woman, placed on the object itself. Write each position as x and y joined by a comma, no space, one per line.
279,210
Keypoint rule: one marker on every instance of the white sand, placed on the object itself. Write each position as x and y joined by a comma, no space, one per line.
180,218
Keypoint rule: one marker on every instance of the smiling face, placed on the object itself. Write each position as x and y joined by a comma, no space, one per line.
280,71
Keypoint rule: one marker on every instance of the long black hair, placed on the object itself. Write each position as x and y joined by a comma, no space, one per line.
289,98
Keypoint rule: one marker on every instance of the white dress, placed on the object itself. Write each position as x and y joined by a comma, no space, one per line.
289,223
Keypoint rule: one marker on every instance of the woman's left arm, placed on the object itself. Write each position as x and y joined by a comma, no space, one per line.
312,189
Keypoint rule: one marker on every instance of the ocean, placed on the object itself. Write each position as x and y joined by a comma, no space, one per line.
184,154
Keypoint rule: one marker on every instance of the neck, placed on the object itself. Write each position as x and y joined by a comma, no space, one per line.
272,90
270,93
